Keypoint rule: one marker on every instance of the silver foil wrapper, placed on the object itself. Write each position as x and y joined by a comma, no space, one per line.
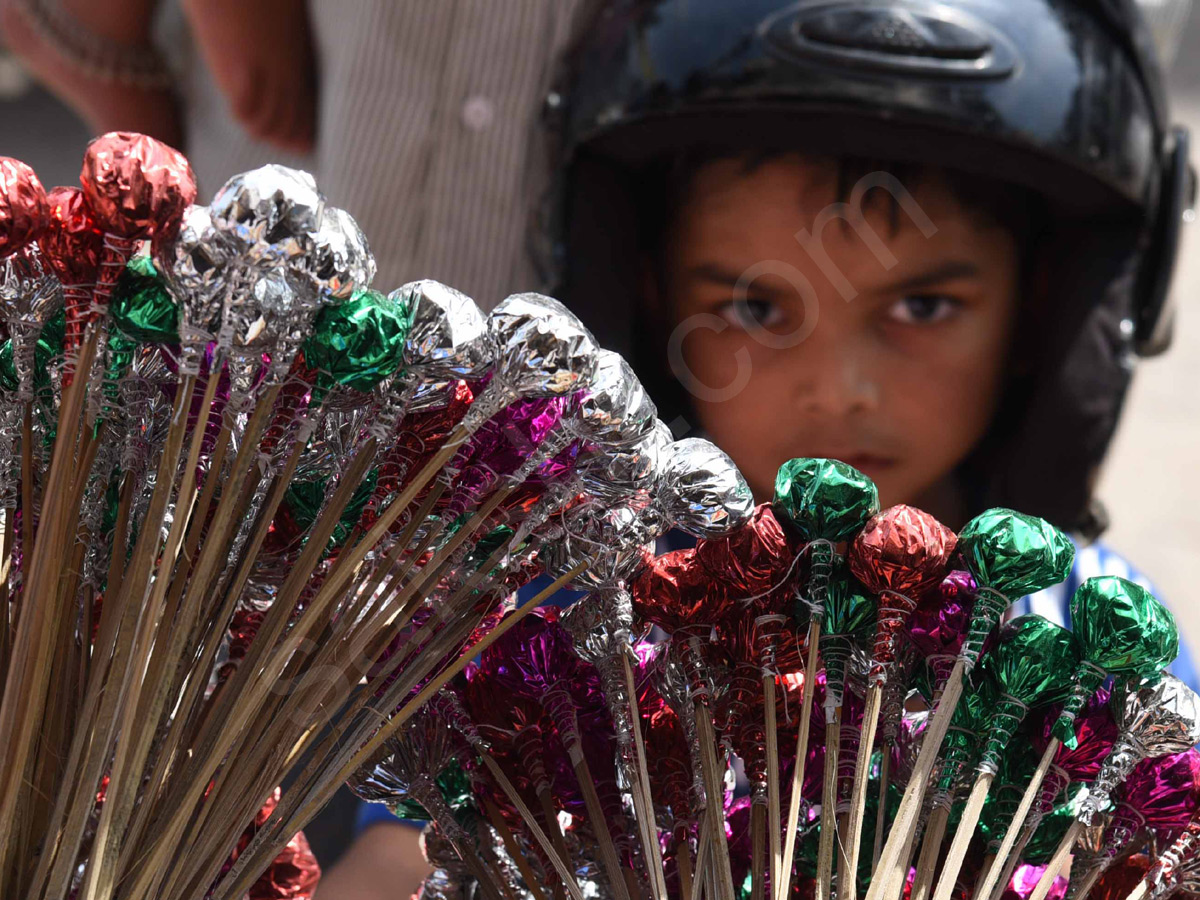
341,261
543,348
270,213
702,492
285,305
449,879
1178,866
611,538
1155,719
196,269
620,473
30,296
448,338
615,410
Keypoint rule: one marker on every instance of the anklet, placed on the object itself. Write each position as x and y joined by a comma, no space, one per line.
95,56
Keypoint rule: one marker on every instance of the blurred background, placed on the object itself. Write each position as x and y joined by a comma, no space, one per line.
1152,481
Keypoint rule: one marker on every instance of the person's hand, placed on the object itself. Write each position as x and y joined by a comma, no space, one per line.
384,863
261,57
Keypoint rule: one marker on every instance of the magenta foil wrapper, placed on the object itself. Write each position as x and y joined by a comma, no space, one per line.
1025,879
1095,732
500,447
939,623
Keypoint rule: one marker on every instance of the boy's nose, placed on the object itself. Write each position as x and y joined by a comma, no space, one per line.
833,377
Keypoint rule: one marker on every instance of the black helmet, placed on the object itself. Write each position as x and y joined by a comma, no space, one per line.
1064,97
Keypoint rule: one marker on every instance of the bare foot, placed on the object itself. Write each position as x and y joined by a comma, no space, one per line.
103,106
261,55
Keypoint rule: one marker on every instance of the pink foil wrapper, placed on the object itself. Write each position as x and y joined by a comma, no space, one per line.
1165,792
1095,731
939,623
500,447
1025,879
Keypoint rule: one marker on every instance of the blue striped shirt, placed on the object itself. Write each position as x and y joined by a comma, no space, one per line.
1054,603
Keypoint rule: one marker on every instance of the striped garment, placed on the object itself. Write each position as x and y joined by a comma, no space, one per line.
428,130
1054,603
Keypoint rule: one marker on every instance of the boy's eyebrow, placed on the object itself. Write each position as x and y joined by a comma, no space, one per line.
946,270
943,271
718,274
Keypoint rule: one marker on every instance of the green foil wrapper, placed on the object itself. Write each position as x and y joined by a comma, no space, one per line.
1053,826
487,545
823,499
1015,554
962,741
54,333
455,787
1009,555
998,810
1121,630
141,305
49,345
1031,664
305,499
849,621
358,343
8,371
119,352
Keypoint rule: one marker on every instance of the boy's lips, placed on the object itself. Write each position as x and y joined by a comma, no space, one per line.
864,462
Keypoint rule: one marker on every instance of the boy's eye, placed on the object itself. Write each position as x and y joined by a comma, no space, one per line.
923,309
747,313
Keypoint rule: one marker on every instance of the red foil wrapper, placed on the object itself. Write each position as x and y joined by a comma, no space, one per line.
71,242
292,875
136,187
1121,878
900,553
73,247
24,209
751,560
744,574
674,591
901,549
769,641
420,436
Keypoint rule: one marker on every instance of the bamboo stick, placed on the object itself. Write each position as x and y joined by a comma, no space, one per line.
910,806
957,853
784,887
825,847
858,795
996,874
1057,861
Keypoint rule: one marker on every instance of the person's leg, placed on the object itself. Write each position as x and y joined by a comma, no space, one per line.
384,863
261,56
40,39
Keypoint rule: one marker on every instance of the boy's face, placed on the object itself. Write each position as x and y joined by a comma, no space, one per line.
900,380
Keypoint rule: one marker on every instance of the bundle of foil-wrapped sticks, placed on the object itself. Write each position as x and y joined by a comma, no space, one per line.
265,528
